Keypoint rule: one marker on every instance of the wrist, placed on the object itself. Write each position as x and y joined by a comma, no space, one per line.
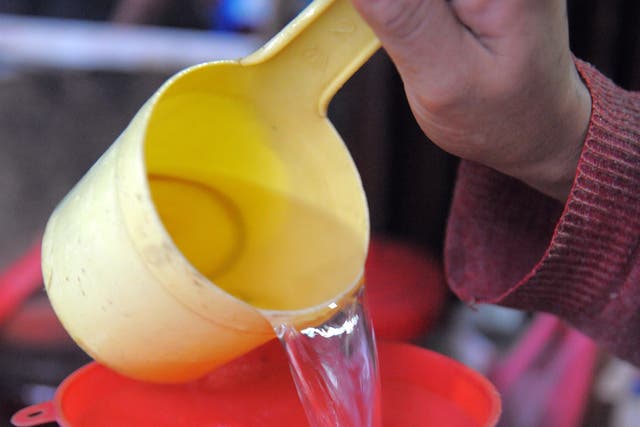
553,169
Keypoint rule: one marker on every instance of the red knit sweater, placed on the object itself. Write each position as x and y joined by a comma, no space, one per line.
511,245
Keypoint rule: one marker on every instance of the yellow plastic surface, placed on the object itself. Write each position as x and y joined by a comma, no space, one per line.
229,200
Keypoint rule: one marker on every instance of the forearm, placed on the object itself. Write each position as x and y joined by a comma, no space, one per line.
510,245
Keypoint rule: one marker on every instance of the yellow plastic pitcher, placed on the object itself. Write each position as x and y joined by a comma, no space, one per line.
229,200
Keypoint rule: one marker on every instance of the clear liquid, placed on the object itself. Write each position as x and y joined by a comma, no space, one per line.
266,248
334,367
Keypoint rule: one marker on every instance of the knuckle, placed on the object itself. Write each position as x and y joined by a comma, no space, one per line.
442,95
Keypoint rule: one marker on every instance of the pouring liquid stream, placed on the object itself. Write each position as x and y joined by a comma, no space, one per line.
334,367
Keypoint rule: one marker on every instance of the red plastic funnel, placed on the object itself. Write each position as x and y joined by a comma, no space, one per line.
419,388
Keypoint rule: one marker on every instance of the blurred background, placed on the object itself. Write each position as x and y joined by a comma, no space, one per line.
72,75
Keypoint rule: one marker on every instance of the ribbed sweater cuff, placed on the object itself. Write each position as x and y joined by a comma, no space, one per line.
508,244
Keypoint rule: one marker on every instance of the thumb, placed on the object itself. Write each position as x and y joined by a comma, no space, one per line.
418,35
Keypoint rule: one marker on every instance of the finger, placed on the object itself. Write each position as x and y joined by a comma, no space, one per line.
417,34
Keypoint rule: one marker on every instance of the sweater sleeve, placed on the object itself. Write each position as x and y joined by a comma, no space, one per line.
508,244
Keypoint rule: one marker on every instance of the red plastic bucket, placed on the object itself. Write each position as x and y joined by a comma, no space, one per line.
419,388
406,289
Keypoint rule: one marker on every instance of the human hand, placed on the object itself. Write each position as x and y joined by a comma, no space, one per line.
491,81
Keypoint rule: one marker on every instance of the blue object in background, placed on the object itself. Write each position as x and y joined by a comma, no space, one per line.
635,387
249,15
243,15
